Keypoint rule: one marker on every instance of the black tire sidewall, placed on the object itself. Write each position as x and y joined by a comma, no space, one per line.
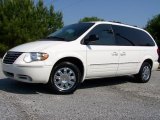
76,71
141,72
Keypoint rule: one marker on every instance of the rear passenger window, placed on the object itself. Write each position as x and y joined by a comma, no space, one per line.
126,36
105,34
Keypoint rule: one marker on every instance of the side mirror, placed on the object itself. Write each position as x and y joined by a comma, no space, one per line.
91,38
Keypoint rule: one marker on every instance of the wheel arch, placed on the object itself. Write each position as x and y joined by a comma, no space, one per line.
150,61
78,62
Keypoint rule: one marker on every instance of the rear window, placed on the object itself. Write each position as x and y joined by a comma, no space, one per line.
132,37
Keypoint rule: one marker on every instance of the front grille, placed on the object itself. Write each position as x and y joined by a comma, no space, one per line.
11,57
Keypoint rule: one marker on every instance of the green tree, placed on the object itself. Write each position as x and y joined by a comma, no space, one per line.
25,21
153,27
90,19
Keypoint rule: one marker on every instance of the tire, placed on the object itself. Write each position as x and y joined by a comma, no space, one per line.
65,78
144,74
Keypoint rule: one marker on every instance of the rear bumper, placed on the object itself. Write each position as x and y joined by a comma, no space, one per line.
29,74
155,65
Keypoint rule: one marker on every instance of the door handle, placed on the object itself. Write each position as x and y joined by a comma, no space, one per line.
123,54
114,54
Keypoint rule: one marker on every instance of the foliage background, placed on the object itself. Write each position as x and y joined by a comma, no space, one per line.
153,27
23,21
90,19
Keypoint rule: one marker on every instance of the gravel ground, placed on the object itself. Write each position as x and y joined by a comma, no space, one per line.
107,99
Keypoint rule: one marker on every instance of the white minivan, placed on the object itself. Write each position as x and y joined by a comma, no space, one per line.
82,51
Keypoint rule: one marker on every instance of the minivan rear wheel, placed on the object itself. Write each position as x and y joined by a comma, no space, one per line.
65,78
144,74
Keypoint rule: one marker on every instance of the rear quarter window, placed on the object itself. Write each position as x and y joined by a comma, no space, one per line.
130,36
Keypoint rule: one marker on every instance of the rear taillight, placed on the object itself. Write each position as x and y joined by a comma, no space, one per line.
158,51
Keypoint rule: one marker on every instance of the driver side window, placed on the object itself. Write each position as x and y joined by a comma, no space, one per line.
105,34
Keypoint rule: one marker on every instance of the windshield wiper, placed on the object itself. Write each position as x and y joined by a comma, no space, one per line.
55,37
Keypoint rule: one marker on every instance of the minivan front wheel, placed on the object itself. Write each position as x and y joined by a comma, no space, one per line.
144,74
65,78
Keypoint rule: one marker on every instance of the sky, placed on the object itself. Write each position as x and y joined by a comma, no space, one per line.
133,12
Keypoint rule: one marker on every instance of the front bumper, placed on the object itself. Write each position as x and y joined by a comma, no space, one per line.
29,74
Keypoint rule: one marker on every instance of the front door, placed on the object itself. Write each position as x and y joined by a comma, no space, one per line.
102,54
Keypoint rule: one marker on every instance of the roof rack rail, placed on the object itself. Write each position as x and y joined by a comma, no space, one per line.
116,22
122,23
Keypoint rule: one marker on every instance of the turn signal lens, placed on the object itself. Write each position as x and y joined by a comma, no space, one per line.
44,56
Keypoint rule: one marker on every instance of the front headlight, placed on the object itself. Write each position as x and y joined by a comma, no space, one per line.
35,56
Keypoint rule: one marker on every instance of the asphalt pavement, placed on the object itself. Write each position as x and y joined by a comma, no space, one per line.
118,98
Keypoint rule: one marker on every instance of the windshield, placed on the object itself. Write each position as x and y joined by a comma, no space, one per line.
70,32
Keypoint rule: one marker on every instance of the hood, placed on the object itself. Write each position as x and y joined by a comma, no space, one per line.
36,46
